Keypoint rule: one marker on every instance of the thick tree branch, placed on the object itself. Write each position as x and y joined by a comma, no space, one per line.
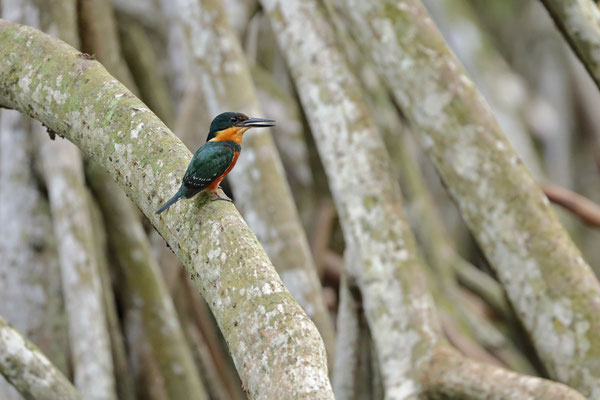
88,329
258,181
397,304
450,376
144,282
77,98
34,376
552,289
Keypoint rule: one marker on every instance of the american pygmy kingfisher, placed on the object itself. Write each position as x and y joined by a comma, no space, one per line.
217,157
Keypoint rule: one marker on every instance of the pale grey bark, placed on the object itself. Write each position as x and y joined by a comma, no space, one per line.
506,91
450,377
144,284
549,284
347,363
24,366
62,170
276,348
579,22
124,380
396,301
88,330
30,284
217,63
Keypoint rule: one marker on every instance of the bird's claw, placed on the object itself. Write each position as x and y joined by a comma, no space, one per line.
219,197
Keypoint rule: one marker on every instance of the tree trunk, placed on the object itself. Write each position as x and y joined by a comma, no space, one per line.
553,290
397,304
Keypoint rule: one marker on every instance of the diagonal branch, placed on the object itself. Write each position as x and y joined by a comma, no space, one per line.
34,376
579,23
76,98
553,290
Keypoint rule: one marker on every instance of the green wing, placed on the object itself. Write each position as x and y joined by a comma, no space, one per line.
210,161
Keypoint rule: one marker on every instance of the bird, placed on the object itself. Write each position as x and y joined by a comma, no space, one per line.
217,157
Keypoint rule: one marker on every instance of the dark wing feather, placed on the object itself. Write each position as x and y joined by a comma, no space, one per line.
210,161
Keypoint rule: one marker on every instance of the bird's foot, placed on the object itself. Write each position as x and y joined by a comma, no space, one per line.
219,197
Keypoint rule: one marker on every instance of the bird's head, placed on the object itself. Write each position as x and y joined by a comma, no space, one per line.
230,126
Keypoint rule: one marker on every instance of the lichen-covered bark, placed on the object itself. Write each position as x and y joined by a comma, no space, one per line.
124,380
449,376
24,366
579,22
63,173
503,88
549,284
30,284
144,283
396,302
88,331
276,348
258,181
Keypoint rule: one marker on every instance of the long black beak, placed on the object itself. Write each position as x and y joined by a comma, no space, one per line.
257,123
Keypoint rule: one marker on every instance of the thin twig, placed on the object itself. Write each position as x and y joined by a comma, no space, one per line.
584,208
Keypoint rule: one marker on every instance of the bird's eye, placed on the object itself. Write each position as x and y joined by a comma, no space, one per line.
233,119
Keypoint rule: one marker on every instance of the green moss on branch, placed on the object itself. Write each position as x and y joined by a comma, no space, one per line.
277,350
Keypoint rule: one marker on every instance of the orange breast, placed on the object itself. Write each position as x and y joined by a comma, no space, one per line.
215,184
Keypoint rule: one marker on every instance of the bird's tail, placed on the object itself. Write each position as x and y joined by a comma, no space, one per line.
180,193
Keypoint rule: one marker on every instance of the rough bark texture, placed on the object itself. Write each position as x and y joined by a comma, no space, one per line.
144,283
505,90
450,376
549,284
88,330
261,192
29,272
579,22
276,348
396,302
34,376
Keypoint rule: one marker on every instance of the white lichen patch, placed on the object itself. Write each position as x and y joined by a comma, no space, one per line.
136,131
